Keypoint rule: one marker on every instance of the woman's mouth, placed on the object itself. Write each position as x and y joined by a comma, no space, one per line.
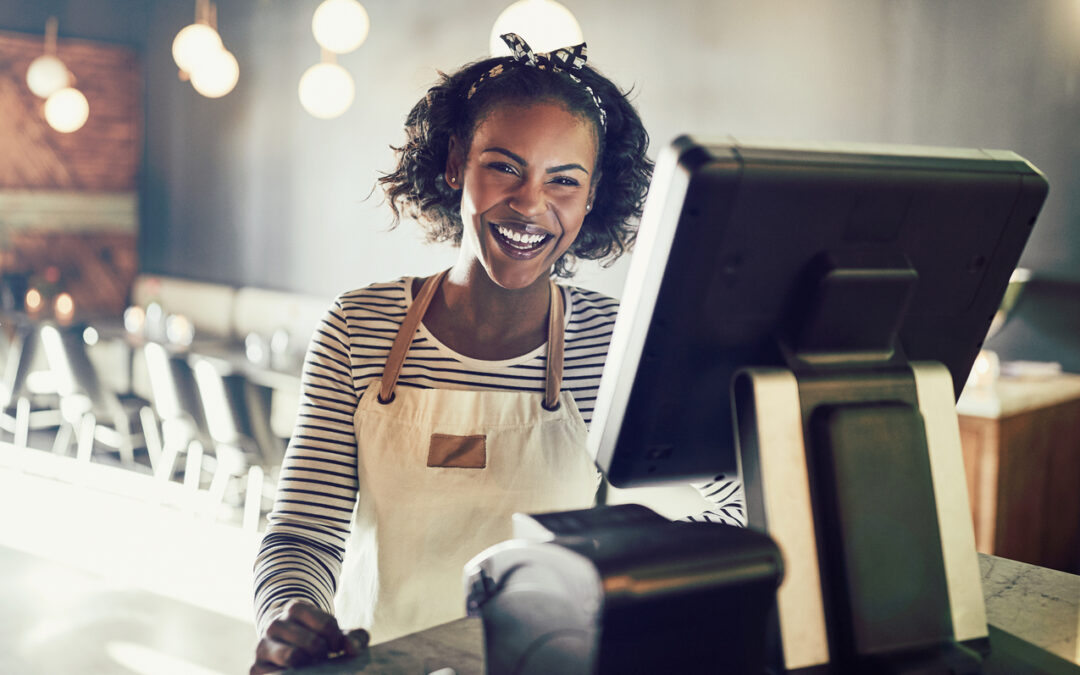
517,243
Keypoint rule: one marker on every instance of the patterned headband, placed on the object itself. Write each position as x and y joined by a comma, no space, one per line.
564,60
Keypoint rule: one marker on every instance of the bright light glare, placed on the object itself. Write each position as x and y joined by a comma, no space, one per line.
67,110
90,336
545,24
193,44
326,90
47,74
134,319
340,26
64,306
216,75
33,300
147,661
179,329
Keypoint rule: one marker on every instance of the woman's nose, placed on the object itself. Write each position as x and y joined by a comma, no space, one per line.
528,199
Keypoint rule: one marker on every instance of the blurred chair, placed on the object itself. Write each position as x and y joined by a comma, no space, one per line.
18,412
92,412
176,404
238,420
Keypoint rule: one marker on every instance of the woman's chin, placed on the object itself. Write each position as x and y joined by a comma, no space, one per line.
518,275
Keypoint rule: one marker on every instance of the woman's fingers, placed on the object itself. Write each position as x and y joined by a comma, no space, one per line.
316,620
294,634
271,654
356,641
303,634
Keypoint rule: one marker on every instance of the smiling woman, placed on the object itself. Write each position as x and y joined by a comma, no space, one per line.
433,409
526,189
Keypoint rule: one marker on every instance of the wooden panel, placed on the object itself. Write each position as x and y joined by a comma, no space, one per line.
979,440
1039,487
1024,480
96,268
104,154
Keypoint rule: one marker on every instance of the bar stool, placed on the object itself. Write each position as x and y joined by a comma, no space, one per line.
176,404
237,416
18,412
91,411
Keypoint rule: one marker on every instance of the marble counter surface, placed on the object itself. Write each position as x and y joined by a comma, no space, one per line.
1036,604
458,646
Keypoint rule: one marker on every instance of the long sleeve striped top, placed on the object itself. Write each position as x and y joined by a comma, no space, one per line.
302,550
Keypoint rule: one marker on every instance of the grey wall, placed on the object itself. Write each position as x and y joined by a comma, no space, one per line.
250,189
117,21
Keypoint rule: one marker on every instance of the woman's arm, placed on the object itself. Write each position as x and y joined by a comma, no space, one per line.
300,556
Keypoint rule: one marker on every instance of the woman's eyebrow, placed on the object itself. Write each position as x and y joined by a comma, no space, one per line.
521,160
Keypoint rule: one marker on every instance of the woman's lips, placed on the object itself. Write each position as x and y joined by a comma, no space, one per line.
520,243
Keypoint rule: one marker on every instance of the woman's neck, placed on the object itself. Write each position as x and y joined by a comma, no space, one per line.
476,317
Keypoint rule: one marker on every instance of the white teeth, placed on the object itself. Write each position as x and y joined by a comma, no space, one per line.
527,239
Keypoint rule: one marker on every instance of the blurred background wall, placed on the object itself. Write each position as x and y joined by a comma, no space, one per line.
251,190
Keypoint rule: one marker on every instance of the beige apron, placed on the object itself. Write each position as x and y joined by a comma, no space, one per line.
440,474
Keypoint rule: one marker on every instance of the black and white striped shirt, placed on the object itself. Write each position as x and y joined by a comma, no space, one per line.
301,553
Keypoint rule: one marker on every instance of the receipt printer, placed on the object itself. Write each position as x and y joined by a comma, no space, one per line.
620,589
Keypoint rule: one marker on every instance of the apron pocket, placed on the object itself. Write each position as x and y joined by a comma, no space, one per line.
457,452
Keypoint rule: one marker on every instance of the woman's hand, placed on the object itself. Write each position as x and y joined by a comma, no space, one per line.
303,634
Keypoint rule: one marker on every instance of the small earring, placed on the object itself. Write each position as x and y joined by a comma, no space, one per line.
453,180
588,206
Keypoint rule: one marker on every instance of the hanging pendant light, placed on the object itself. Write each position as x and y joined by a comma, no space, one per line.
340,25
201,55
47,73
67,110
216,75
194,43
544,24
197,41
326,89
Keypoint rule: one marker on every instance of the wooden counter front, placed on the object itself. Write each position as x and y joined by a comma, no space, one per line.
1021,444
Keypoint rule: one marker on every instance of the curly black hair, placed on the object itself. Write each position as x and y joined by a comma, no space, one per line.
416,188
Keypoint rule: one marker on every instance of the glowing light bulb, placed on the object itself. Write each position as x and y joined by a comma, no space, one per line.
193,44
340,26
216,75
545,24
47,74
134,319
33,300
67,110
64,307
326,90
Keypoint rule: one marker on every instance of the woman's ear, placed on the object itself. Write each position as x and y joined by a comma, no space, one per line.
455,164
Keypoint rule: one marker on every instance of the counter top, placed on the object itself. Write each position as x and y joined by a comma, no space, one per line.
458,645
1014,395
1036,604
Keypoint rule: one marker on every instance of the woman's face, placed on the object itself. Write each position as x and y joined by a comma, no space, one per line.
527,184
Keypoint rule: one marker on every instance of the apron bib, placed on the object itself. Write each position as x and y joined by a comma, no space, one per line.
441,472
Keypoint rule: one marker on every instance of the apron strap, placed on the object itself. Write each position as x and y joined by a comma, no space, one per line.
405,335
553,382
415,313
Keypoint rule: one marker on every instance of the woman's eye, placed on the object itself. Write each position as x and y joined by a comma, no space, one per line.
565,180
503,167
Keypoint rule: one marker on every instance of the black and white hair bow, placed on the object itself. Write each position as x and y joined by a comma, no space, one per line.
569,60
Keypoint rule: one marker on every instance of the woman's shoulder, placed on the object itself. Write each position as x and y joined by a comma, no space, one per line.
590,307
383,298
386,291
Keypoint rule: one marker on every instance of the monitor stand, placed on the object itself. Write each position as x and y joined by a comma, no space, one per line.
859,478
